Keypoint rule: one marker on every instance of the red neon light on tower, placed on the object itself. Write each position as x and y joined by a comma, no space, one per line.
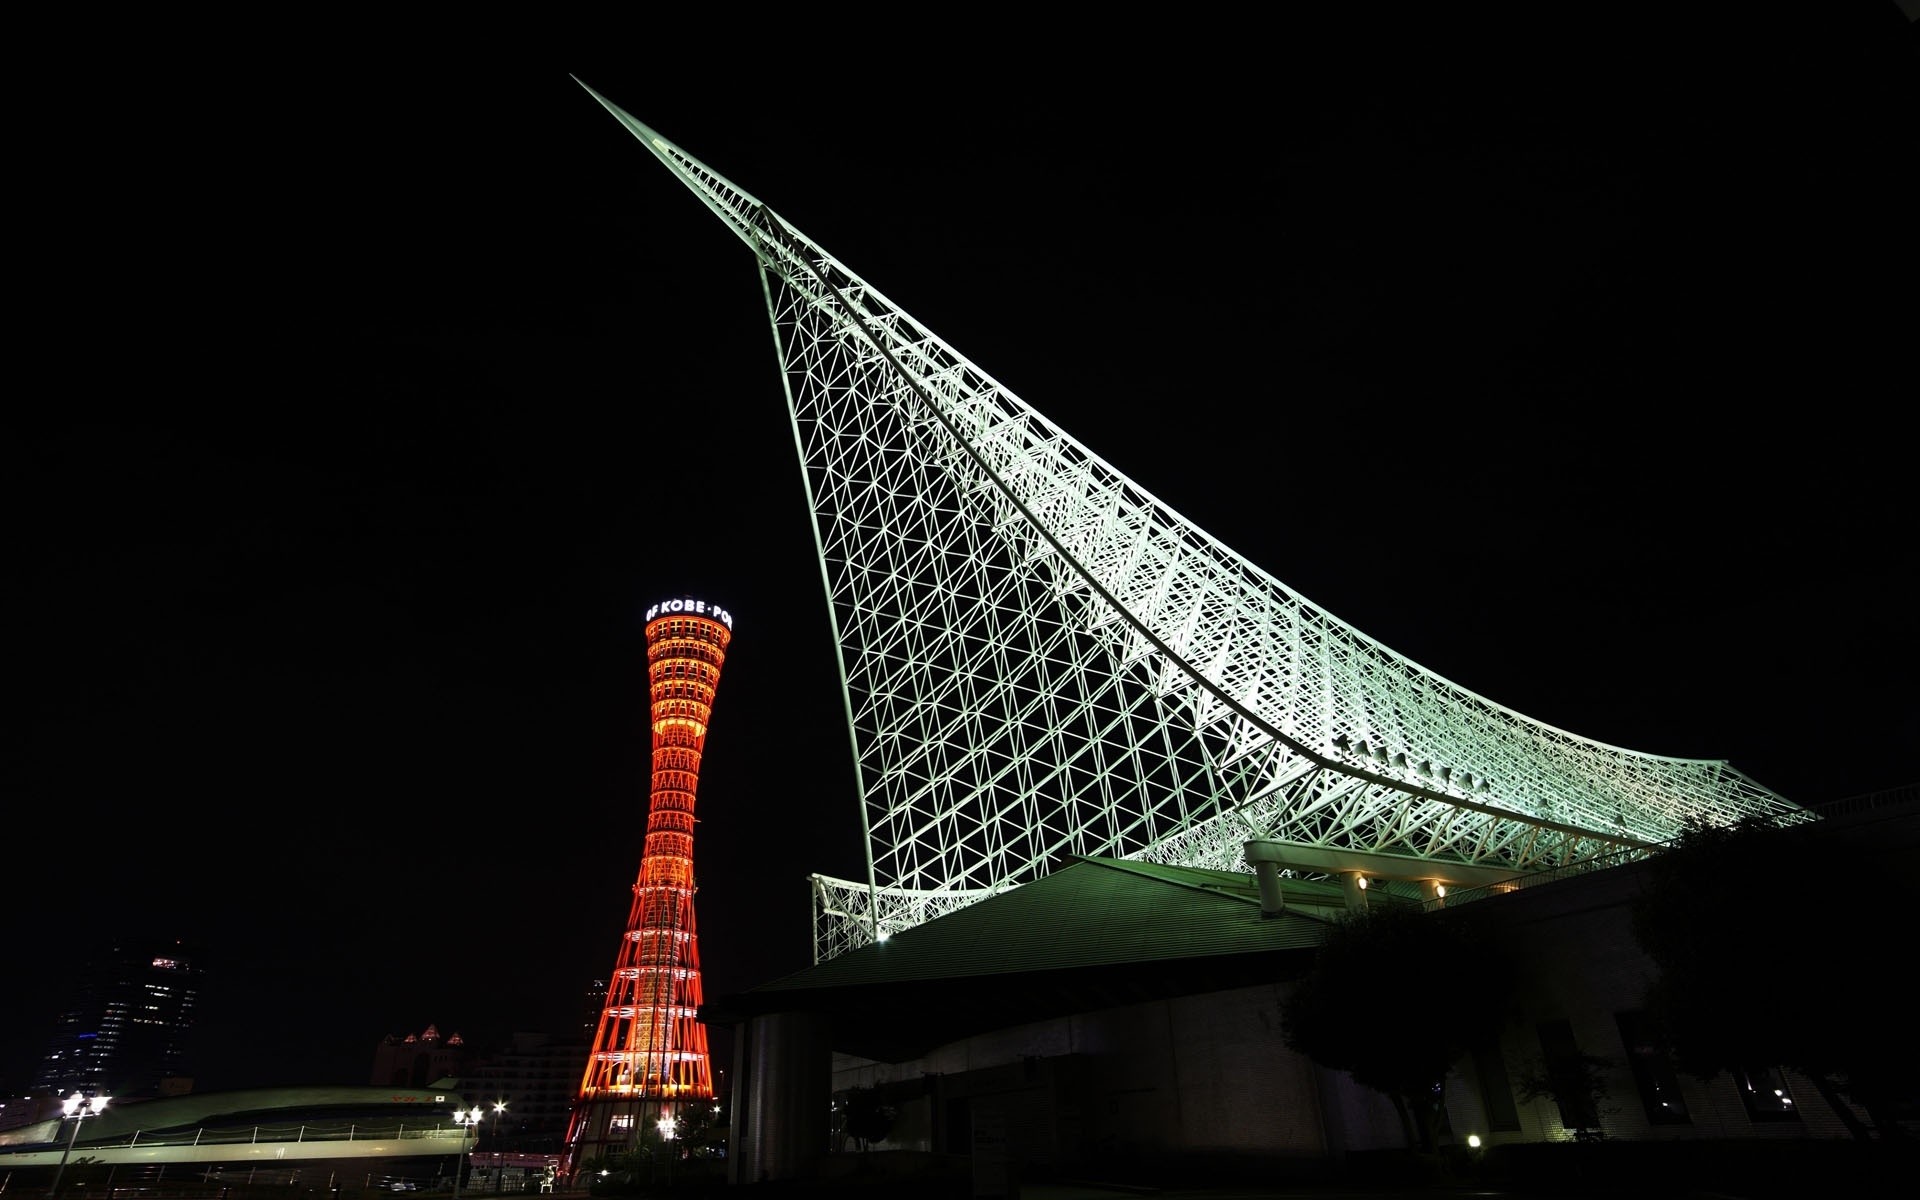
650,1050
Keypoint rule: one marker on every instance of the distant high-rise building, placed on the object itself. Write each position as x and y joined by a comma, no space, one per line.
594,1002
649,1052
525,1088
125,1028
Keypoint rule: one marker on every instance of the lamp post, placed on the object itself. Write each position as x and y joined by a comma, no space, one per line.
499,1167
466,1119
79,1108
666,1126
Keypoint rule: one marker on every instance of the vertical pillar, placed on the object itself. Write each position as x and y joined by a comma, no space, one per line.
1273,901
1264,857
782,1091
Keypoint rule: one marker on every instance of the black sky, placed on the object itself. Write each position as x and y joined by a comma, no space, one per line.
381,391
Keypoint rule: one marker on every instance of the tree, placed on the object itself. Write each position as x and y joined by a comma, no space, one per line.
1577,1084
1752,974
1395,998
869,1118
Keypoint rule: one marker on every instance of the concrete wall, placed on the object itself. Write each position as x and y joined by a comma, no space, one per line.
1582,965
1198,1074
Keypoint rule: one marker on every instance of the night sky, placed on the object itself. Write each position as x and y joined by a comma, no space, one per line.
382,391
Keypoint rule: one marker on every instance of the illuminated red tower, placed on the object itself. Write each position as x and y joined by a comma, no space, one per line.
650,1051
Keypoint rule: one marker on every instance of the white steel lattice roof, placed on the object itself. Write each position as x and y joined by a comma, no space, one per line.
1042,660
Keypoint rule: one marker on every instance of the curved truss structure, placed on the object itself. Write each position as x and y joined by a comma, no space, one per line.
1042,661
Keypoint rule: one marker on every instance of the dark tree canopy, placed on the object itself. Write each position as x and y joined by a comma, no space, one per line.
1398,995
1759,967
869,1117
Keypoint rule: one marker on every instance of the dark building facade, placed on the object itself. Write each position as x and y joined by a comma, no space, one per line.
414,1060
535,1077
1120,1015
525,1087
126,1028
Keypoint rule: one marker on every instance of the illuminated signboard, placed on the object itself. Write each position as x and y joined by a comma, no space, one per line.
697,607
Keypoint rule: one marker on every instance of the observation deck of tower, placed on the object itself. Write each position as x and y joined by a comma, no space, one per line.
649,1052
1042,661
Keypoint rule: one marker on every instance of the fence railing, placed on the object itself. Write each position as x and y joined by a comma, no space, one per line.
307,1132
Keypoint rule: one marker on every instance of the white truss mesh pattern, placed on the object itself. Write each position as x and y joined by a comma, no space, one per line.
1042,660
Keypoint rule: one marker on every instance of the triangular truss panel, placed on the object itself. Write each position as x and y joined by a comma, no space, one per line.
1042,660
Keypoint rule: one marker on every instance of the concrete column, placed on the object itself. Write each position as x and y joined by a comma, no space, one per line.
783,1093
1266,872
1273,901
1353,885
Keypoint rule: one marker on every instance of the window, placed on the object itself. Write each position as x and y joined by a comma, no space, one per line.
1765,1093
1496,1091
1571,1078
1653,1072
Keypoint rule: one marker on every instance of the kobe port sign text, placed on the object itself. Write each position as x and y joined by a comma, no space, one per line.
697,607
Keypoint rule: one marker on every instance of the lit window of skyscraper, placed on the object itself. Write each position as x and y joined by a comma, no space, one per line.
125,1027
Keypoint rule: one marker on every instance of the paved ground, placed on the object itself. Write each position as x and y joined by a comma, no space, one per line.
1282,1191
1784,1170
1068,1191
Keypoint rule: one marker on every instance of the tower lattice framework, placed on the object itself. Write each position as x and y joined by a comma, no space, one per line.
649,1051
1041,660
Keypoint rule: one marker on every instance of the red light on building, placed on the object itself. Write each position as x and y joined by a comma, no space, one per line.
649,1051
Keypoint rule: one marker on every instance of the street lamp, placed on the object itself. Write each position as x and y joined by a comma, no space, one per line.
667,1126
499,1167
79,1108
466,1120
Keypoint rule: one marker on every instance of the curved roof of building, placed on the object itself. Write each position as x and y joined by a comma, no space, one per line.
248,1107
